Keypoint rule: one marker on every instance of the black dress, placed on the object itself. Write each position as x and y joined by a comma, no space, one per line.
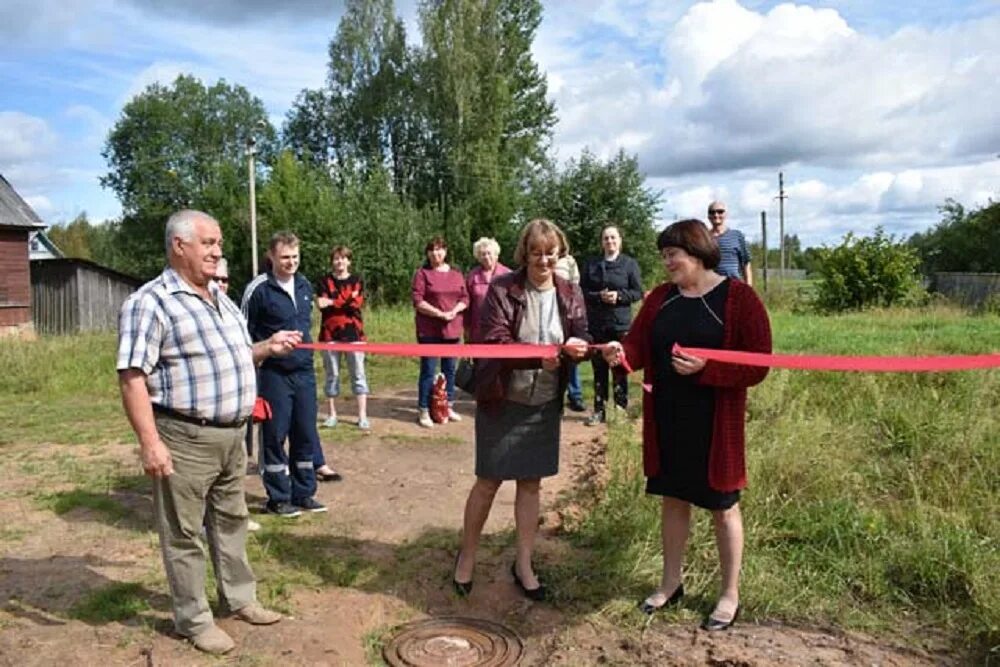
685,409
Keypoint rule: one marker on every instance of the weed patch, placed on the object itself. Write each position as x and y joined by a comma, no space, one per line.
117,602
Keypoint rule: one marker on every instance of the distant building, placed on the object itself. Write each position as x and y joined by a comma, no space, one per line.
17,222
71,295
40,246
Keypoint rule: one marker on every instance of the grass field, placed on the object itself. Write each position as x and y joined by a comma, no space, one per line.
871,503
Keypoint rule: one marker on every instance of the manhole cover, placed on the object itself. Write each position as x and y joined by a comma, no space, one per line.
453,641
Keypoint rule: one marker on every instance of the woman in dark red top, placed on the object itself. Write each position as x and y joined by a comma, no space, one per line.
340,296
694,416
439,297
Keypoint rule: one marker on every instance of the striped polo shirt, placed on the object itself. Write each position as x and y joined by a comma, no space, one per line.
196,355
734,253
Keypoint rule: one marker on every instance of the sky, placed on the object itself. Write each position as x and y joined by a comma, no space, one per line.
874,111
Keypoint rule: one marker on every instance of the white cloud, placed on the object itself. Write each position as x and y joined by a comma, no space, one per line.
706,36
822,209
40,205
163,73
794,85
23,138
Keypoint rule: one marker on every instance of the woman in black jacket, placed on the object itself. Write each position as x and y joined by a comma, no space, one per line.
611,284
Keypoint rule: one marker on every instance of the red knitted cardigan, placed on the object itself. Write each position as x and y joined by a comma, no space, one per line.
747,328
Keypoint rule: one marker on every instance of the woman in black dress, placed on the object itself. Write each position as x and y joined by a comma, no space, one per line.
694,417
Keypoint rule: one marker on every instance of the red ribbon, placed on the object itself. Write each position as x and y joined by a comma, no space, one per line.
816,362
478,350
812,362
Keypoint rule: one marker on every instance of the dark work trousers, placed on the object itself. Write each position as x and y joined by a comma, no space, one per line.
288,477
601,372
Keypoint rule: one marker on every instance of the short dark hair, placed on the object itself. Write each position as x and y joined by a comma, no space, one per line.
436,242
691,236
283,238
342,250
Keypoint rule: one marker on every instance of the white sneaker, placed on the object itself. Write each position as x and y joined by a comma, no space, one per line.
425,419
330,422
252,526
453,416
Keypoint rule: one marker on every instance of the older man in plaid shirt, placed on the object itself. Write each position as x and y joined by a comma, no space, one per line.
188,383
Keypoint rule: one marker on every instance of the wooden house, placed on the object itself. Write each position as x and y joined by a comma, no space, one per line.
17,222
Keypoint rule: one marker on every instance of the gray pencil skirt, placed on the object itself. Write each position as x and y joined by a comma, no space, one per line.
518,441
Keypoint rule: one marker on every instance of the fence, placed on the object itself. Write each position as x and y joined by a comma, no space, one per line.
969,289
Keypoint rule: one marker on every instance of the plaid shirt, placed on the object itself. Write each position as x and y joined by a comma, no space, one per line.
196,356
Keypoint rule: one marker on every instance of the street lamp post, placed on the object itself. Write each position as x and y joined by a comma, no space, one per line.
252,174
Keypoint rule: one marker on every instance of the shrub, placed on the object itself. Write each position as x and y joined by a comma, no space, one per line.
865,272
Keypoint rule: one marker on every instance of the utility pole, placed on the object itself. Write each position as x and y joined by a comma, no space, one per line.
781,220
763,242
252,174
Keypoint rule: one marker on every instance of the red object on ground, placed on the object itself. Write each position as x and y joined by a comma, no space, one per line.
439,400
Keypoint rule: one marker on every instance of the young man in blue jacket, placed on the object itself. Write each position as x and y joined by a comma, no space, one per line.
275,300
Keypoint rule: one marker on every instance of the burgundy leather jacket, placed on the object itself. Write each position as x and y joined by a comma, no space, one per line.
499,322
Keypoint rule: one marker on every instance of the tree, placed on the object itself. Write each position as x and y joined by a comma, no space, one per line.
589,194
386,235
865,272
73,239
489,120
794,255
962,241
366,118
182,146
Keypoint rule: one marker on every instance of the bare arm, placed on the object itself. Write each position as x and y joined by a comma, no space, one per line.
748,273
427,309
155,456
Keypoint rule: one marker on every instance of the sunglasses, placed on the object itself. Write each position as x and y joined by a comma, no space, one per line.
221,280
717,211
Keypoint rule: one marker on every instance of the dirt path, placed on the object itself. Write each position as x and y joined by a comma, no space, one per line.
380,557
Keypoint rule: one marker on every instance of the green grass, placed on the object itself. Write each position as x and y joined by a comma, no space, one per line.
116,602
871,502
65,501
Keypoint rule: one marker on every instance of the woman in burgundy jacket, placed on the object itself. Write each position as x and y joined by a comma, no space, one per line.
519,402
694,415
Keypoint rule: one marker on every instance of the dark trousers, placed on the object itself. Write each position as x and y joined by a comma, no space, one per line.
289,477
602,371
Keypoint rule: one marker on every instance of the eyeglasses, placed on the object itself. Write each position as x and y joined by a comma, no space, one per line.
717,211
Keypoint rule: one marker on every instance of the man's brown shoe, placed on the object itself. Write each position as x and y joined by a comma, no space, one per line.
254,614
214,640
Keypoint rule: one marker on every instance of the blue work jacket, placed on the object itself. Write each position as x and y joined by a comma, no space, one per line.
269,308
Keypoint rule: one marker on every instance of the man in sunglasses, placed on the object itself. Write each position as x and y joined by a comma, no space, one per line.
222,275
733,248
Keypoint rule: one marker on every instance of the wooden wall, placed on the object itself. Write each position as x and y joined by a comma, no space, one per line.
15,278
71,297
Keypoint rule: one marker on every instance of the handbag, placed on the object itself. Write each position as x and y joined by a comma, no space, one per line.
465,375
439,400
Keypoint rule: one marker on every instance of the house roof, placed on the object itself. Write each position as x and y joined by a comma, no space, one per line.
14,211
41,246
74,262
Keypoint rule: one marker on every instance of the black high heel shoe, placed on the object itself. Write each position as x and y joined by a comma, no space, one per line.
462,588
649,608
712,624
536,594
